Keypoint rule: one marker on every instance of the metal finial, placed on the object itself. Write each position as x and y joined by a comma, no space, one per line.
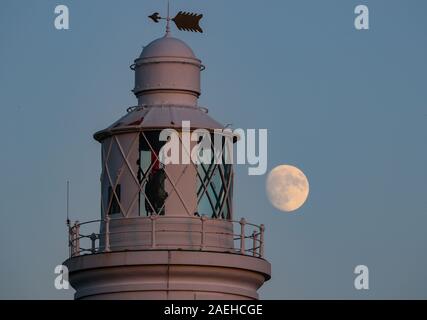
184,21
168,20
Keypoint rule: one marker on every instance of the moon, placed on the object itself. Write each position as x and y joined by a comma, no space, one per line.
287,188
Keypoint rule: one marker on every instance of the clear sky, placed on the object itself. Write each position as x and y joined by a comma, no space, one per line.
347,107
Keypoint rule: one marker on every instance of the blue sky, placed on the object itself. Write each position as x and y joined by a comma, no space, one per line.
347,107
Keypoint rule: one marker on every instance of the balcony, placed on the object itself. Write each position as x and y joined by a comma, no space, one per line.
118,234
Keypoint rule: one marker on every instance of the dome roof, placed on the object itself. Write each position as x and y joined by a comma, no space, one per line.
167,47
166,65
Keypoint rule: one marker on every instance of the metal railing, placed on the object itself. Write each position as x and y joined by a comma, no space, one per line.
249,240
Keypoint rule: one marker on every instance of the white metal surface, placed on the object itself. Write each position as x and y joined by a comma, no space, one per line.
169,67
167,47
163,274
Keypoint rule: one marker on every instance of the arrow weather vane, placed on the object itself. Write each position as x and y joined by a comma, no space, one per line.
186,21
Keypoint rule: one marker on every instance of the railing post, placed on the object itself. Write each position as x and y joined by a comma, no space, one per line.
202,246
254,245
242,235
107,234
261,241
70,241
73,240
153,231
93,238
76,238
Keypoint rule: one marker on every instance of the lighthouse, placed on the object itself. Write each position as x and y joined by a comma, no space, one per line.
166,231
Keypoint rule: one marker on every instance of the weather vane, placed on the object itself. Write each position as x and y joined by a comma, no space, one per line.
186,21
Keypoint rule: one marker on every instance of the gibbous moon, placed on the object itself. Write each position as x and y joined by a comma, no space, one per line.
287,188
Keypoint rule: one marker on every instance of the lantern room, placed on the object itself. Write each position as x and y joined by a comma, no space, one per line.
134,180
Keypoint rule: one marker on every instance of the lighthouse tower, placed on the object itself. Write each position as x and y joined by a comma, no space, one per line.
166,231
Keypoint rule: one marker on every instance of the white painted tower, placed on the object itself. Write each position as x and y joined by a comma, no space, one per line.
166,231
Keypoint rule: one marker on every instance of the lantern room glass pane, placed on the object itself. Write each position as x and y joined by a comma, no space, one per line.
214,188
151,175
114,199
